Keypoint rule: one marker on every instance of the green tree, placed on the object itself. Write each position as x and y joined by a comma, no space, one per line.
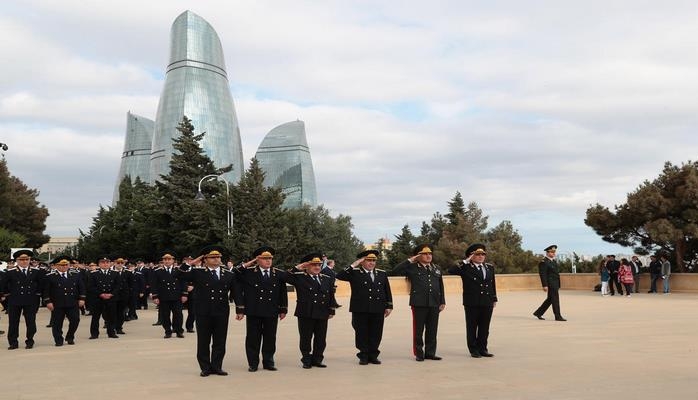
20,211
401,249
660,215
505,251
9,240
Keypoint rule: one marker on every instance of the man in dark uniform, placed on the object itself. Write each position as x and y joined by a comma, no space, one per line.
479,298
262,297
103,286
145,272
613,266
126,283
136,293
191,299
371,302
550,279
426,299
214,287
64,294
314,307
169,293
22,288
655,273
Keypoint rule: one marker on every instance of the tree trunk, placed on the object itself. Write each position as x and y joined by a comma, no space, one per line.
680,252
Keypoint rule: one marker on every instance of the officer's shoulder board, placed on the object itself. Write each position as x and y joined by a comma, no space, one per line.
95,271
300,273
225,271
199,267
159,268
326,276
381,270
278,269
54,272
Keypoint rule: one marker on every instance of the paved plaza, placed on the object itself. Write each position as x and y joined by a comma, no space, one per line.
642,347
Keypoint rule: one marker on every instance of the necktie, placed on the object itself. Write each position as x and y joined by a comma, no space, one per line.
370,273
484,271
215,275
317,280
24,271
63,275
266,274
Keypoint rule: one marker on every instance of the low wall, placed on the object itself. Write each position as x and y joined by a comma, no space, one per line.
505,282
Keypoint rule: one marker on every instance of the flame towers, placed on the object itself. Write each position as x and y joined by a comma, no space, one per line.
196,85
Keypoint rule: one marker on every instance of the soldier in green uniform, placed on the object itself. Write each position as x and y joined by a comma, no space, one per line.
550,279
426,299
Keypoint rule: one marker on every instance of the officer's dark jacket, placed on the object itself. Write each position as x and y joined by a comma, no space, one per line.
312,301
261,297
167,286
126,284
20,289
426,284
213,296
138,283
367,296
64,292
98,283
549,273
476,290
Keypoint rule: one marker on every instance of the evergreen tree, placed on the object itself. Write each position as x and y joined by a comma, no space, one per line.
456,207
20,211
402,248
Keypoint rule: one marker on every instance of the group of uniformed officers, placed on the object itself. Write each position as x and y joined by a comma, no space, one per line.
259,291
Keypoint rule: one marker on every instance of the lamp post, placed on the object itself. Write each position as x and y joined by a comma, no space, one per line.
200,197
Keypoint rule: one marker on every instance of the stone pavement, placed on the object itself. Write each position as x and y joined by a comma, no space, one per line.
640,347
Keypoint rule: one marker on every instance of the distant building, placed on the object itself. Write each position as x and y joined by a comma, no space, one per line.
135,160
56,245
196,85
284,156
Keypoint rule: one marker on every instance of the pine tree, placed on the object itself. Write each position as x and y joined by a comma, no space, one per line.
402,248
20,211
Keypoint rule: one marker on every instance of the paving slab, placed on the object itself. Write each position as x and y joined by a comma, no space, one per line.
642,347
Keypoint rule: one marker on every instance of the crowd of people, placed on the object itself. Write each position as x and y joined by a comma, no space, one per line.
110,291
625,274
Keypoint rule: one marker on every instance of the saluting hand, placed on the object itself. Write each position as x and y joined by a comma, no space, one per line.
239,317
387,312
357,262
282,316
49,306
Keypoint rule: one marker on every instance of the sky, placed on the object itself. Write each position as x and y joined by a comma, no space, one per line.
535,110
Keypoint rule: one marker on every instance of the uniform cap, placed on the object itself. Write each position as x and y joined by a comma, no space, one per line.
552,248
22,253
264,252
423,249
476,248
314,258
61,260
369,255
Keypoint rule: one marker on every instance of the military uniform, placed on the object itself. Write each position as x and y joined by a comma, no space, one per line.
479,297
126,284
168,290
426,298
103,282
370,297
213,289
261,297
550,277
22,288
64,291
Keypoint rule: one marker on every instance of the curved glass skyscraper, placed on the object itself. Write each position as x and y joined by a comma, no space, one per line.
135,160
284,156
196,85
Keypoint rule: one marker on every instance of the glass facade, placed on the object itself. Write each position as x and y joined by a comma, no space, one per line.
284,156
196,85
135,160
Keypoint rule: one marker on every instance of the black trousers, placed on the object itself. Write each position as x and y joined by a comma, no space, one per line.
132,301
261,332
477,327
614,281
368,332
14,312
58,315
191,313
120,314
211,328
653,282
553,298
107,310
171,308
313,339
425,323
143,301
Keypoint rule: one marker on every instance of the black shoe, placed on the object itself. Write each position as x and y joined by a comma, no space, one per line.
113,336
127,319
59,344
88,314
363,362
13,346
94,336
2,332
29,346
419,358
307,366
220,372
70,341
191,331
120,332
375,361
180,335
475,355
538,316
252,369
157,323
560,319
319,365
435,358
204,373
167,336
270,368
486,354
49,325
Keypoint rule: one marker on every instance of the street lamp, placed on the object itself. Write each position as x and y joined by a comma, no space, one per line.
200,197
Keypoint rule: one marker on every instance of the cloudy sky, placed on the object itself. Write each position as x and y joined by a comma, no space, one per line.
535,110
